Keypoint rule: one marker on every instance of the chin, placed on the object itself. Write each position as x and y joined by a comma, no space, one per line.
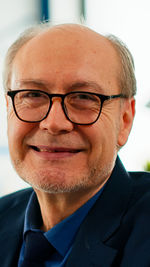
56,182
55,187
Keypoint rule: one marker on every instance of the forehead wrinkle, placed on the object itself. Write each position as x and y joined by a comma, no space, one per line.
80,84
87,84
37,82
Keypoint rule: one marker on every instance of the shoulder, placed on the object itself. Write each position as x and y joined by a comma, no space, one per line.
13,200
135,231
139,191
140,184
130,191
137,182
137,209
140,177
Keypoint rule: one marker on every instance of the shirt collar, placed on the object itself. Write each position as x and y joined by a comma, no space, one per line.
61,236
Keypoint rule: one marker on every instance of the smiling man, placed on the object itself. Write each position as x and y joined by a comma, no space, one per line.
70,103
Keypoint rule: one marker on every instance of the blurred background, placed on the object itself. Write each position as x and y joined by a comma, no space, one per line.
129,20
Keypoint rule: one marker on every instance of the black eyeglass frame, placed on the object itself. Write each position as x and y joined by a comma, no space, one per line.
102,98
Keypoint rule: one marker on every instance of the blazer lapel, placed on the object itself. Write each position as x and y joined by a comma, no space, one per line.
90,248
90,251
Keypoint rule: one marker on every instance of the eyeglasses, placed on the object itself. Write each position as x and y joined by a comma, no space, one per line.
82,108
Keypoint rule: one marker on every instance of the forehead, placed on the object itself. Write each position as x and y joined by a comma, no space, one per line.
64,53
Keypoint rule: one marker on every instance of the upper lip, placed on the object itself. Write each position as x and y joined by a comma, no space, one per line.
42,148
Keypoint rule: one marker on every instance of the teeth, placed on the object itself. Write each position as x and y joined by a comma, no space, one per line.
42,149
51,150
46,150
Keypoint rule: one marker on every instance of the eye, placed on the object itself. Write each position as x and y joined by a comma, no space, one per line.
31,94
31,98
82,101
84,98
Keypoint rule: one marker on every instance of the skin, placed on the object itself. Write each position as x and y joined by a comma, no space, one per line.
63,59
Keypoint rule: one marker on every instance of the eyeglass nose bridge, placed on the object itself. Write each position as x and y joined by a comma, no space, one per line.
57,97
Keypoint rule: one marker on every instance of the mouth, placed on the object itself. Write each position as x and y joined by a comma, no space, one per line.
54,150
48,153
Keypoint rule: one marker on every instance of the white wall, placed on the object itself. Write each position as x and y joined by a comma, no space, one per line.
65,11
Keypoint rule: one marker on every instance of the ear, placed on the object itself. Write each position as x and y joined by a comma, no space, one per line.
126,120
7,101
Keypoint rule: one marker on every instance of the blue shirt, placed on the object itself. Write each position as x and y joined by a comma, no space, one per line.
62,235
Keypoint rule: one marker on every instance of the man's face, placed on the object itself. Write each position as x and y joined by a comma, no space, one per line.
55,155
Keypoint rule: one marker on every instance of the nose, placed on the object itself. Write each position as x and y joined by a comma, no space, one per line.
56,121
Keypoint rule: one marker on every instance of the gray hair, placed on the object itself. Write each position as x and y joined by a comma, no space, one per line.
127,78
24,37
127,81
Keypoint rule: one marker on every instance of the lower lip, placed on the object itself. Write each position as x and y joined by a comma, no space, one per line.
54,155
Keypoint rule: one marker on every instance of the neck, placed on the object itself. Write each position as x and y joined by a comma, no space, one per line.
57,207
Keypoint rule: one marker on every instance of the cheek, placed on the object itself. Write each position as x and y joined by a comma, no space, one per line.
102,137
95,138
16,130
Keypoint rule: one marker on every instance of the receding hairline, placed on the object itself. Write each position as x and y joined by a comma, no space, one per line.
75,32
38,31
72,29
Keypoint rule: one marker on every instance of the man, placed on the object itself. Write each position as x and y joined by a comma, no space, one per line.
70,103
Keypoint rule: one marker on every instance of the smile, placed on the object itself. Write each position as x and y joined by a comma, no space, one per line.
54,150
48,153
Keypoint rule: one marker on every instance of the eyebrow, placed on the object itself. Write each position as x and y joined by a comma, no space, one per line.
87,84
69,87
37,83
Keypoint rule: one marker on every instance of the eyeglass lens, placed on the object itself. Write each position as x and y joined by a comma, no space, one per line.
81,108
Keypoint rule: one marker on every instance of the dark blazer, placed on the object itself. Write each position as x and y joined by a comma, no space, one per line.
116,232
